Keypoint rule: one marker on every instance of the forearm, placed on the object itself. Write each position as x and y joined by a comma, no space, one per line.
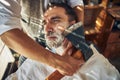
22,44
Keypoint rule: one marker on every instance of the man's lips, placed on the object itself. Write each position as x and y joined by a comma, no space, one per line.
51,37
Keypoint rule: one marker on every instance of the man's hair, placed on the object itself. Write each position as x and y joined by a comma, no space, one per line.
69,10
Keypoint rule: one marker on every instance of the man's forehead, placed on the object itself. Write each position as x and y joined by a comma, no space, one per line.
54,11
51,16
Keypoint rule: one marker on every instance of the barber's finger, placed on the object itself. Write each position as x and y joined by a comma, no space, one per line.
65,43
81,62
67,52
69,45
68,49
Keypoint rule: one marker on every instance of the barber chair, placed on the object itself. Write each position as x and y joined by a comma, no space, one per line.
90,17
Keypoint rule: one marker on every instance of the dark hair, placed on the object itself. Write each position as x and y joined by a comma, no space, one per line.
69,10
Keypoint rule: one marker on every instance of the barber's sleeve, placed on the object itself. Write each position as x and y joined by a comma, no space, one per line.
74,3
9,15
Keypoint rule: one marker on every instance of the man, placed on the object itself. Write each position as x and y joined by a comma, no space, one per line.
57,19
12,35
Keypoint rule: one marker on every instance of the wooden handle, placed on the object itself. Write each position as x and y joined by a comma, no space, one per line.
57,75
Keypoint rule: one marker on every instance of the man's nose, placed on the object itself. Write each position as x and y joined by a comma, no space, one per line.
48,27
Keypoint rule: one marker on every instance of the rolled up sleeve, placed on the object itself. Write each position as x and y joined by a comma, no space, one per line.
74,3
9,15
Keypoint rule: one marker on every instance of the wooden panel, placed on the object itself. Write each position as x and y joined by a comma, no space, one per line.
113,45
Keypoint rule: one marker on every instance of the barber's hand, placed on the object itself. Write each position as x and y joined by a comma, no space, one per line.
67,45
72,64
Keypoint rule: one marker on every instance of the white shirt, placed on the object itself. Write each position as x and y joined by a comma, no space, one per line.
96,68
73,3
10,14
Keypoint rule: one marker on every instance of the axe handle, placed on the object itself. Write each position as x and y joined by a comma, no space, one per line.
57,75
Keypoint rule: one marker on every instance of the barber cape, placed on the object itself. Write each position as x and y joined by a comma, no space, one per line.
97,67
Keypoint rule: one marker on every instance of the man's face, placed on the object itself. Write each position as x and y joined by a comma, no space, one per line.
54,18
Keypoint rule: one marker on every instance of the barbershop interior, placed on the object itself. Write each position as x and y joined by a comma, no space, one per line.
101,24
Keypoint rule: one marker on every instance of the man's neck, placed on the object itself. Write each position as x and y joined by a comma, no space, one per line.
58,50
61,50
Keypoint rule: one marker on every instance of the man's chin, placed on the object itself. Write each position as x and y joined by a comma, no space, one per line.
52,44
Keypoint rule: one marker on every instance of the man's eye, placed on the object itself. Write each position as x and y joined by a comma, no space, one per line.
55,21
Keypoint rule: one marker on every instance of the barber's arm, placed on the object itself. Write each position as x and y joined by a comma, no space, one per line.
21,43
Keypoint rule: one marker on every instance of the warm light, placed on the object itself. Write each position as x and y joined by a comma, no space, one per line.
78,7
86,32
98,23
50,8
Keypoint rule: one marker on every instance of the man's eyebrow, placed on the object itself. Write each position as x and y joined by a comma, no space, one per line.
55,17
